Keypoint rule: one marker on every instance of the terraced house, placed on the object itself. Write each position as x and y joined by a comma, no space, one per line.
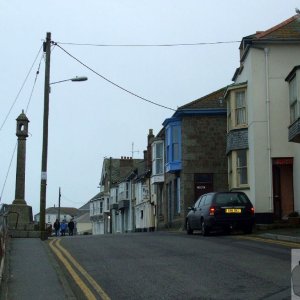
194,158
108,209
263,121
242,137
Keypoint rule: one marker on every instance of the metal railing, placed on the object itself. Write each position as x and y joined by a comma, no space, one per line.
3,237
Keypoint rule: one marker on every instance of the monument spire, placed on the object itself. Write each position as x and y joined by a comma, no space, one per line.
22,134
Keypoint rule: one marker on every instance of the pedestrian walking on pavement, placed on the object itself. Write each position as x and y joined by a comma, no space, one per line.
71,227
56,226
63,228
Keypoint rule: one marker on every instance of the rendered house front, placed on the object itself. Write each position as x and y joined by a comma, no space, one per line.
144,205
158,177
108,209
262,161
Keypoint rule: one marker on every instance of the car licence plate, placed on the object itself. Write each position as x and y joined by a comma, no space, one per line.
233,210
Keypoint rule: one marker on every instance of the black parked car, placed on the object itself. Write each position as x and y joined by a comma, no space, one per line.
221,210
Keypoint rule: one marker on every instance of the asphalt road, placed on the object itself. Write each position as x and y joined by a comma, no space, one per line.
162,265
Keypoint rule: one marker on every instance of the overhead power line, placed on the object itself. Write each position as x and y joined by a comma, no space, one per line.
111,82
27,107
148,45
22,86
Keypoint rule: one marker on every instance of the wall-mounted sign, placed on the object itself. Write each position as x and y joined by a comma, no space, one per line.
283,161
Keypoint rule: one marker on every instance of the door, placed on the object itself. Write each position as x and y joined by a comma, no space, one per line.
203,183
283,191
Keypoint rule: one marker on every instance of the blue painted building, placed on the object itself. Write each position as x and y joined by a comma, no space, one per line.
195,156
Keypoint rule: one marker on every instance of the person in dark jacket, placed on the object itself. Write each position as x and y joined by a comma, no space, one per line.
71,227
56,226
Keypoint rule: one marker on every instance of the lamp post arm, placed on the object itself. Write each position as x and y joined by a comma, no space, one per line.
77,78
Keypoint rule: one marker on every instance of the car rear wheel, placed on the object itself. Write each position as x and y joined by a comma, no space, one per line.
189,230
248,229
204,229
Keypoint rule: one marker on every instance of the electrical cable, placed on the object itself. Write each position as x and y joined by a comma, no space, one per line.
147,45
2,191
35,80
14,102
69,200
27,107
111,82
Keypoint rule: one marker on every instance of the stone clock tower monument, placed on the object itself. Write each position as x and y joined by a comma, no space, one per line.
20,213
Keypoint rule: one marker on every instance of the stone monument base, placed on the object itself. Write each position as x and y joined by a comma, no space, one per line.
20,217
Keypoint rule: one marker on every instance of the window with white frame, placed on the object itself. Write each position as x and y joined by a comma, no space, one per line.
241,165
294,107
101,207
107,203
240,108
157,158
229,124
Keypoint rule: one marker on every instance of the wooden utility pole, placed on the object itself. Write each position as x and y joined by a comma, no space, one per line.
59,197
47,50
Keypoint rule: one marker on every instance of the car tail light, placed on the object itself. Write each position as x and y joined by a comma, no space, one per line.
212,211
252,210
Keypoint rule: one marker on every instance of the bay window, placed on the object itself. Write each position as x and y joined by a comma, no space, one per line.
240,108
242,177
158,158
294,106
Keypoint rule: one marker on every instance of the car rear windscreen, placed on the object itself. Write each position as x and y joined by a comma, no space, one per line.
231,199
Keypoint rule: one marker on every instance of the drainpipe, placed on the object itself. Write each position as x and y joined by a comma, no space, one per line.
266,50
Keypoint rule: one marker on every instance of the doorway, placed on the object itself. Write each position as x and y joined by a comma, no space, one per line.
203,183
283,191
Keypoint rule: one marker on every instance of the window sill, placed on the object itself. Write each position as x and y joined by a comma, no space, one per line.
243,187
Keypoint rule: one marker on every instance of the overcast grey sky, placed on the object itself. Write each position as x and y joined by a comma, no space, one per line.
93,119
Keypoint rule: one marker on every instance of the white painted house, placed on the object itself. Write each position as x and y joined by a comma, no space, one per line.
158,177
110,210
66,213
263,160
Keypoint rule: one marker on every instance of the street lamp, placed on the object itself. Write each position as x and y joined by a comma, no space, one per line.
77,78
47,50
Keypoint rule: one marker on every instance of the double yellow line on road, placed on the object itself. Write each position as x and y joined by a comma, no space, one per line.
72,265
270,241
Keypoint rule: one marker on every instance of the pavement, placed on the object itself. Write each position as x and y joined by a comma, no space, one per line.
287,233
32,272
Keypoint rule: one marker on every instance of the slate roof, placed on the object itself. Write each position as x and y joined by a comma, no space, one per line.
211,100
85,206
71,211
117,172
288,30
85,218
